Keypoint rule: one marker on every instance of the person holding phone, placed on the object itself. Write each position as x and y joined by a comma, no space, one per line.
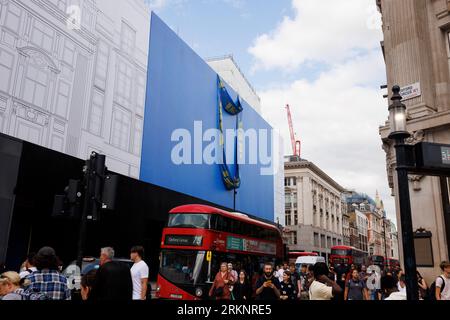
268,286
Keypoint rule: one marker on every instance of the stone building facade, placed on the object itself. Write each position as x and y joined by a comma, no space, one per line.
313,208
417,53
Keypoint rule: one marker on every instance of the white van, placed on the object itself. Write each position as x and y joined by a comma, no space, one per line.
308,260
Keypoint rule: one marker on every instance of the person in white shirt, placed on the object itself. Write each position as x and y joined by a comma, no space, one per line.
281,271
139,273
232,271
401,285
28,266
390,289
443,281
323,288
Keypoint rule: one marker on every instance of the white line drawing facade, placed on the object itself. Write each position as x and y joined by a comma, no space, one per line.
76,84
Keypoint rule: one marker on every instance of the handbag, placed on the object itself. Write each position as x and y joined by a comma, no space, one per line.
218,292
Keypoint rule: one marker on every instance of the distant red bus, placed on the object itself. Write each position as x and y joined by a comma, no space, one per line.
392,264
198,238
345,256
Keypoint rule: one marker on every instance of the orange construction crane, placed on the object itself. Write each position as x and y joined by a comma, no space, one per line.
296,144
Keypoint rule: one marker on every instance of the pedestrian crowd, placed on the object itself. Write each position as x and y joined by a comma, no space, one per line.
323,282
41,278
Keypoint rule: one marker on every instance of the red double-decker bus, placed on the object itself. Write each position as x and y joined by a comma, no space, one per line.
392,264
198,238
346,256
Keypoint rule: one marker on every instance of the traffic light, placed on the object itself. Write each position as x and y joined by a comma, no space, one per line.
96,175
97,190
109,192
67,205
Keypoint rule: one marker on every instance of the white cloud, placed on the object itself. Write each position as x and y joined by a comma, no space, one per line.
337,118
337,115
325,31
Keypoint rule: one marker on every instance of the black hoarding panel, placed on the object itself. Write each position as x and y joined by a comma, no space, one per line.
10,151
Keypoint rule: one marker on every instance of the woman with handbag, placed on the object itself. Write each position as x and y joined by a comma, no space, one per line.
220,289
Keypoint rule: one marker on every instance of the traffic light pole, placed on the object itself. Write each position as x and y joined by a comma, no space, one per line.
84,214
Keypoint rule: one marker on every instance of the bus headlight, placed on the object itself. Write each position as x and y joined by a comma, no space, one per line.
198,292
158,288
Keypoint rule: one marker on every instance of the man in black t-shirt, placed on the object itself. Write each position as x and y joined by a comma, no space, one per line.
268,286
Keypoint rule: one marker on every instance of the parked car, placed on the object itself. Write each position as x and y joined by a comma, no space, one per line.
307,260
74,275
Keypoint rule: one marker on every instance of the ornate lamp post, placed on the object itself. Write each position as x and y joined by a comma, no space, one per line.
397,116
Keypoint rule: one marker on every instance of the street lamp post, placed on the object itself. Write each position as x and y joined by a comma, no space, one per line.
397,116
384,236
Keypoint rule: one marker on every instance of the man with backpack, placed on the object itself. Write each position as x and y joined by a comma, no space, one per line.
440,289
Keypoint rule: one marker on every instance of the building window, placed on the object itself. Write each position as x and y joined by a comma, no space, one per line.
121,125
35,84
124,84
101,67
96,116
87,17
316,240
6,66
60,4
322,241
128,39
137,139
140,95
294,200
295,217
12,20
294,237
62,101
42,36
288,217
69,52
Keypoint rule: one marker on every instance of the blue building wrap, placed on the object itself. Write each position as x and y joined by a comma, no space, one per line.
182,91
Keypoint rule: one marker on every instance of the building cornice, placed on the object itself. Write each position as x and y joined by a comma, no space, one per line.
304,164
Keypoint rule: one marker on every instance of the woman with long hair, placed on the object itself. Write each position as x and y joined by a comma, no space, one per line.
242,288
423,287
288,289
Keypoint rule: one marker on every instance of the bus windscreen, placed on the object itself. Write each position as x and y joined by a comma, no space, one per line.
184,220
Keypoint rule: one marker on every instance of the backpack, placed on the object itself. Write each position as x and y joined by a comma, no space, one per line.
32,295
432,290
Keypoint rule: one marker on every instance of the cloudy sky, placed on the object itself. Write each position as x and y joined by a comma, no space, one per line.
321,57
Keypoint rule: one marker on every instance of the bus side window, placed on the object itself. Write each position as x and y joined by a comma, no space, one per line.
222,224
213,222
